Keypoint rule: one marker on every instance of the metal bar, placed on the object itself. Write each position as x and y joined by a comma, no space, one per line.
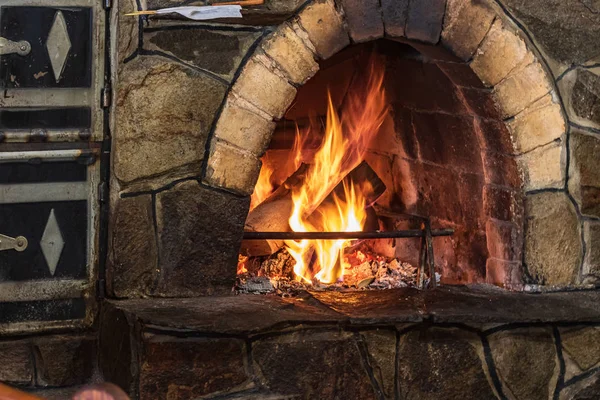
344,235
43,155
43,192
422,264
430,257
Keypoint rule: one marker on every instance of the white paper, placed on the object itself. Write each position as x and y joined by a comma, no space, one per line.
206,12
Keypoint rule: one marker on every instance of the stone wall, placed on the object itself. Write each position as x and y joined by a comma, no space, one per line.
52,366
320,348
182,88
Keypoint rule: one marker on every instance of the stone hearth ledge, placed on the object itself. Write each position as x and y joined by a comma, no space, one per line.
254,314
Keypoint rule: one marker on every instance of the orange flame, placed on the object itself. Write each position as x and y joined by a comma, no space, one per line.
264,187
344,145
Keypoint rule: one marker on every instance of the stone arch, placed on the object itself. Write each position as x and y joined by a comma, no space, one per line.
474,31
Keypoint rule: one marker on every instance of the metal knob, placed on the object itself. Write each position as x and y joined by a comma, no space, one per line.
21,48
8,243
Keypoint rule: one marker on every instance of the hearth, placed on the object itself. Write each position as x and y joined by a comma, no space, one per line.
385,139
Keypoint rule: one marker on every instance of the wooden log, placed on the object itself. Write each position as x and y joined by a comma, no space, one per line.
273,214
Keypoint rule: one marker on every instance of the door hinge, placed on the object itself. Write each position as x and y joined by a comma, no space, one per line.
103,193
106,96
107,4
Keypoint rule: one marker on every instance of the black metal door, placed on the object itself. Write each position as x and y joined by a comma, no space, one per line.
51,131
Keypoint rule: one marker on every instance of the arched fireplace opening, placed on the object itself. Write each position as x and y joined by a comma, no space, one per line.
437,151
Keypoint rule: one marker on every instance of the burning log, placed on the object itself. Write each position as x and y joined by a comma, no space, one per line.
273,214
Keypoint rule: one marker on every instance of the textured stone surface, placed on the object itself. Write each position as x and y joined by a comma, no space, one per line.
441,364
521,88
503,273
461,74
219,52
232,168
291,53
199,233
553,239
584,172
313,372
180,369
325,27
586,388
585,96
537,125
381,349
544,167
504,240
499,53
582,344
244,128
132,255
395,14
64,360
495,135
425,20
465,25
501,169
264,89
526,361
591,235
16,366
502,204
116,361
566,29
364,19
163,114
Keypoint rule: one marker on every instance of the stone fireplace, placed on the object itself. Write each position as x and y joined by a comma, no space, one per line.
488,132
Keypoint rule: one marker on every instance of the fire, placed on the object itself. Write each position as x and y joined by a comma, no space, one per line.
345,140
263,187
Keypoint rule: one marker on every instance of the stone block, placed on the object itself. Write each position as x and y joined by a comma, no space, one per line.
504,240
126,31
325,27
582,344
243,128
553,247
526,362
566,30
465,25
584,172
395,14
461,74
163,114
585,96
502,204
264,88
425,19
381,350
591,236
291,53
232,168
218,51
495,136
500,53
537,125
444,360
364,19
16,366
448,140
64,360
481,102
313,374
503,273
521,89
544,167
501,169
199,235
133,254
179,369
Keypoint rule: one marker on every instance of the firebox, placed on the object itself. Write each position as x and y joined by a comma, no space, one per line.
392,141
